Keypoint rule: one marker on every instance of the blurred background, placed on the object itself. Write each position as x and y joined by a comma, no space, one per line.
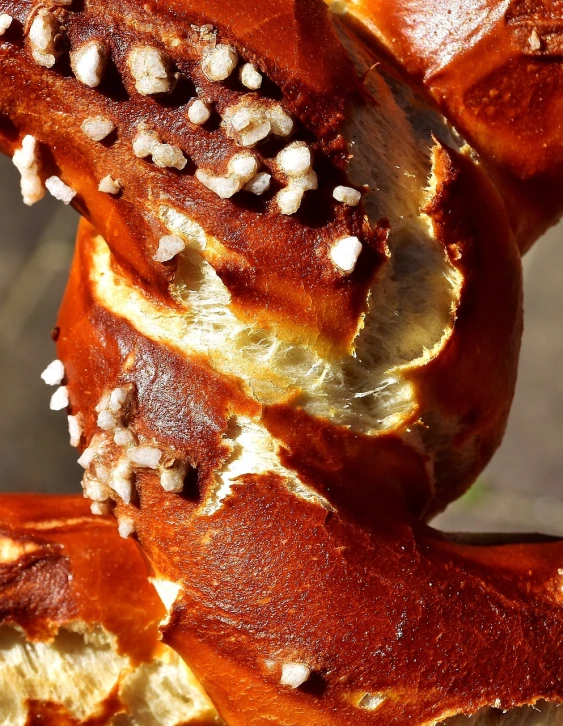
521,490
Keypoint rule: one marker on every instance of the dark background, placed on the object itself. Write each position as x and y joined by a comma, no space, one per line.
522,489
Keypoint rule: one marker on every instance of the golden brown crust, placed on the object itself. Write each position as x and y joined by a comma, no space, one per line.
67,565
495,70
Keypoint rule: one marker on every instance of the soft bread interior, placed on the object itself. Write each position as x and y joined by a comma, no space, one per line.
82,667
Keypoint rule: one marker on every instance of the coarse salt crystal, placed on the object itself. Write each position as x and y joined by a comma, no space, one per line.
117,399
87,457
223,186
166,155
244,166
106,421
26,161
295,159
168,247
150,69
347,195
145,142
534,41
100,508
42,34
59,399
75,429
219,62
5,22
259,184
144,456
289,199
345,253
60,190
94,489
172,480
88,63
54,373
125,527
250,77
109,185
123,437
294,674
198,112
97,127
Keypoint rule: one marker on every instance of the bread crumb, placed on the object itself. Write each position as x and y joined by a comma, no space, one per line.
250,77
347,195
59,189
168,247
97,128
88,63
150,69
26,161
294,674
54,373
59,399
345,253
219,62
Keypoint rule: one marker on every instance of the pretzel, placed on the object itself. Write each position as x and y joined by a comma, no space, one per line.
79,624
282,355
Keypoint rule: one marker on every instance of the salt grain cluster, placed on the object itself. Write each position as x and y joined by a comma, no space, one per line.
97,128
150,69
295,162
252,120
88,63
26,161
42,37
148,143
242,168
60,190
219,62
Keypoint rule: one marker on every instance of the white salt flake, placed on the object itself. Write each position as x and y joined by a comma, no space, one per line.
5,22
345,253
109,185
223,186
26,161
123,437
168,247
59,399
94,489
100,508
289,199
144,456
42,37
172,480
259,184
198,112
125,527
75,429
97,128
295,160
219,62
250,77
281,122
106,421
88,63
117,399
150,69
534,41
166,155
244,166
294,674
54,373
347,195
87,457
60,190
145,142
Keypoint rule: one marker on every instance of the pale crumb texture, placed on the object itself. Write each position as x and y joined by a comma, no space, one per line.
294,674
168,247
26,161
109,185
347,195
224,186
5,22
59,399
244,166
259,184
75,429
172,480
295,159
145,456
100,508
250,77
150,69
219,62
88,63
198,112
42,36
97,128
54,373
60,190
166,155
534,41
345,253
126,527
289,199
